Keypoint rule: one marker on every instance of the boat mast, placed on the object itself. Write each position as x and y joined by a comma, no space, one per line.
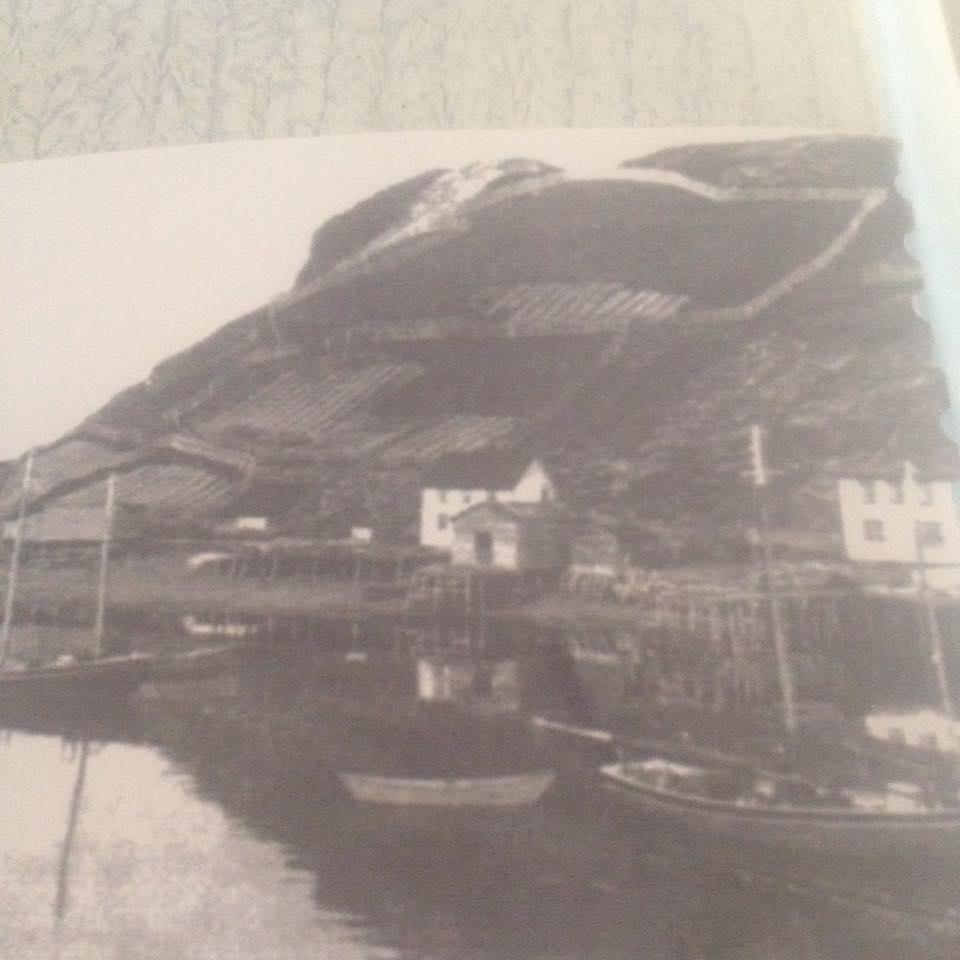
760,476
5,637
933,628
104,564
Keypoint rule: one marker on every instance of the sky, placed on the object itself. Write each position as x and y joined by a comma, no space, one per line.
113,262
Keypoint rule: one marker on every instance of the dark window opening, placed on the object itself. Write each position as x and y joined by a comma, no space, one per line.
483,547
930,534
873,530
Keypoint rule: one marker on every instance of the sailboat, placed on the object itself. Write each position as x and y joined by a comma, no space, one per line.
69,683
736,800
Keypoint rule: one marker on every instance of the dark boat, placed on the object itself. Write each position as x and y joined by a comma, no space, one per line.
68,685
752,810
73,683
195,664
736,802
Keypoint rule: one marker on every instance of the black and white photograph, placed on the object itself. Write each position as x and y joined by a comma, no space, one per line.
507,545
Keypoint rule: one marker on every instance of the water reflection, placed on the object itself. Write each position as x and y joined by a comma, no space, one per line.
63,865
211,824
155,871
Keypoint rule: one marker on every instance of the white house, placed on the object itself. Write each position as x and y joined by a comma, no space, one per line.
927,729
462,481
905,520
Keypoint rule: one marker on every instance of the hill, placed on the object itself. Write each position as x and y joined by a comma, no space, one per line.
628,329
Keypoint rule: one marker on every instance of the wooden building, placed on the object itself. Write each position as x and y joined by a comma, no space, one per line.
511,536
63,526
459,482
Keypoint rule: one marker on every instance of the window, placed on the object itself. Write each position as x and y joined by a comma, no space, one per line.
873,530
443,496
441,521
925,494
930,534
869,492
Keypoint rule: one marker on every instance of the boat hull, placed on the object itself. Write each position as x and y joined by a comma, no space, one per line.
95,684
509,791
802,835
195,664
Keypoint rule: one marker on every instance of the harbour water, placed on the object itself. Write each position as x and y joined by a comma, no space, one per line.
208,823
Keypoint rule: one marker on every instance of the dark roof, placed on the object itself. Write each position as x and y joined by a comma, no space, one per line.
483,470
514,512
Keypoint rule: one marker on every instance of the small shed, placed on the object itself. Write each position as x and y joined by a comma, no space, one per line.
511,536
244,525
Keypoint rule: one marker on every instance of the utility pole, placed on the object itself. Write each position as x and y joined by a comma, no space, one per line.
104,564
7,633
933,628
761,478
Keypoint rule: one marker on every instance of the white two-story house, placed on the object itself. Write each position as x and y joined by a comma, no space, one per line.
906,520
462,481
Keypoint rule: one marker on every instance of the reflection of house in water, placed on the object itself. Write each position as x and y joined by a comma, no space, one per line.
451,679
906,520
460,482
510,536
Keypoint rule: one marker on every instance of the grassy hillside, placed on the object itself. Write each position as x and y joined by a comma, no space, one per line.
403,342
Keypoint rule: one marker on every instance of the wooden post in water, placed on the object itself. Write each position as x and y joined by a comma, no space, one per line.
14,570
99,622
63,867
760,475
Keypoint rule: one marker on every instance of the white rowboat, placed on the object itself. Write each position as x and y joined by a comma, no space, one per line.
509,791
